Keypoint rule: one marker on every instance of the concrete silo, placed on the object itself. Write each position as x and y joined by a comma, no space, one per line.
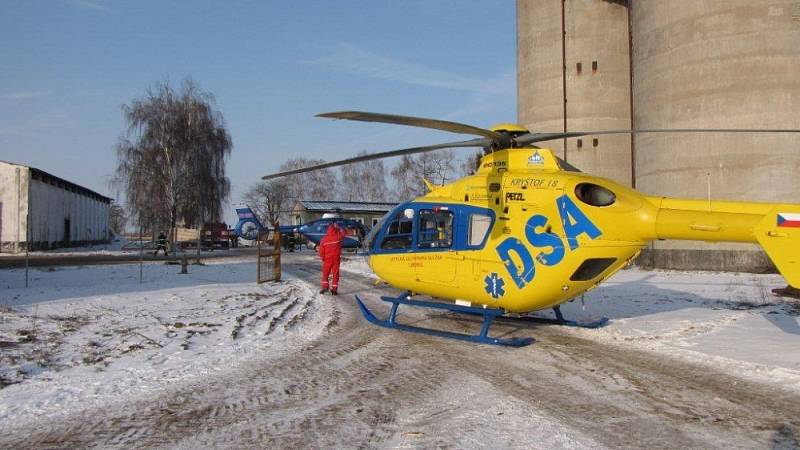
579,82
709,64
716,64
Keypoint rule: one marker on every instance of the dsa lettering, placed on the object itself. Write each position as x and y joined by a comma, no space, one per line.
548,247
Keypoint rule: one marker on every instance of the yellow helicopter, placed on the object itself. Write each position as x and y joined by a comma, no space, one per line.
529,232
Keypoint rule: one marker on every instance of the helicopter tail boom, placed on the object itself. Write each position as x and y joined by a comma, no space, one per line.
775,227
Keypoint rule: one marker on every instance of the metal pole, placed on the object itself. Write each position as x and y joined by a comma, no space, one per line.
141,252
27,241
564,69
200,237
19,209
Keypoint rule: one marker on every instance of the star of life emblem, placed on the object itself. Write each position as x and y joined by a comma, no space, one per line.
494,285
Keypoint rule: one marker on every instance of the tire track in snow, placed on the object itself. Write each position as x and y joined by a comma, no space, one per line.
356,385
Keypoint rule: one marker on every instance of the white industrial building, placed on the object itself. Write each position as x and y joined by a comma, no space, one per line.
48,211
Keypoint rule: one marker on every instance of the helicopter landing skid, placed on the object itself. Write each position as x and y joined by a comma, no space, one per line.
482,338
560,320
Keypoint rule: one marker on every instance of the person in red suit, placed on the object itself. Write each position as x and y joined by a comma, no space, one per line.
330,250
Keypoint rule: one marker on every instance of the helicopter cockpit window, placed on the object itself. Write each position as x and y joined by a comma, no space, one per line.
398,234
478,228
435,229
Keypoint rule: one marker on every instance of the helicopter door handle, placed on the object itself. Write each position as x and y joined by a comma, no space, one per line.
776,234
452,254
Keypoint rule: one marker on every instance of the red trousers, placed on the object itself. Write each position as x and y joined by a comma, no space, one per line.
330,267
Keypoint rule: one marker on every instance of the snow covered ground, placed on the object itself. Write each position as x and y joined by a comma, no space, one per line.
728,320
82,337
731,321
119,246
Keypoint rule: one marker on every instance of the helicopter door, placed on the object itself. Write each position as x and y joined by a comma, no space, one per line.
437,259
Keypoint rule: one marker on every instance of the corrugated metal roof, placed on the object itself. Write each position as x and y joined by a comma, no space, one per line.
327,206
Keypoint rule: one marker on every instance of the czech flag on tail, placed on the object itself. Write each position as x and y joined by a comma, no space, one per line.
789,220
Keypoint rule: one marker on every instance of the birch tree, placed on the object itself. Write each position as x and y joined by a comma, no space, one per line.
117,218
471,164
316,185
171,159
436,167
406,184
269,200
363,181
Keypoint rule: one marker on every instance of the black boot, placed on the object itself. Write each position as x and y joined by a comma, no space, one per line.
322,291
334,292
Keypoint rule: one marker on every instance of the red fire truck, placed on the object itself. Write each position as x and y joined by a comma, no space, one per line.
216,236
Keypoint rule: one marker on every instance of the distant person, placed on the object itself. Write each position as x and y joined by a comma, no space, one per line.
161,243
234,240
330,250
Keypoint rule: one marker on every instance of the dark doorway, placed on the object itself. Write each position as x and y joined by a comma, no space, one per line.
66,232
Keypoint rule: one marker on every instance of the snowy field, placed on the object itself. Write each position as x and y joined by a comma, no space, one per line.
88,337
731,321
85,336
119,246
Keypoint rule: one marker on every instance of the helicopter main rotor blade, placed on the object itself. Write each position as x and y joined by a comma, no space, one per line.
406,151
443,125
541,137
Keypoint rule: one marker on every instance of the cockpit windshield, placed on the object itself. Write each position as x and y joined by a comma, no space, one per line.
374,231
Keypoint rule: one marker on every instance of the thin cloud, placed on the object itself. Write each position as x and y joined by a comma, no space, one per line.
24,95
92,5
354,60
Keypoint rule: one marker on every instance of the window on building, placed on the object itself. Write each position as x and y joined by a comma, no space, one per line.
435,229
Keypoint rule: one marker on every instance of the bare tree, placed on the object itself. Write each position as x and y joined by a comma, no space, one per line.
363,181
436,167
316,185
269,200
406,183
471,164
172,157
117,219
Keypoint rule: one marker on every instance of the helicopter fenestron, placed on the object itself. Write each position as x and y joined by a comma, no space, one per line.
529,232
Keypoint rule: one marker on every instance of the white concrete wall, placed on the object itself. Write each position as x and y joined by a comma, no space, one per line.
51,205
13,205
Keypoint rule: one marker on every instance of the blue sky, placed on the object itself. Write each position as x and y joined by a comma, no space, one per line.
67,66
